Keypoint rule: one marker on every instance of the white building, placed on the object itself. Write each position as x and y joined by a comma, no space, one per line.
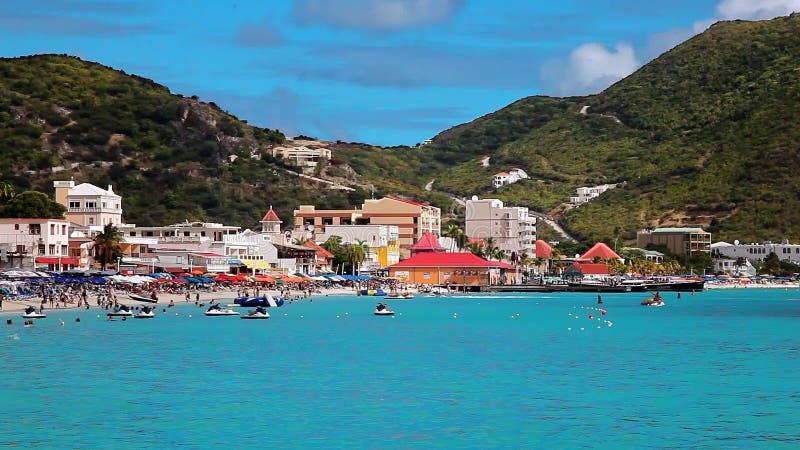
302,156
249,248
383,242
89,205
756,252
511,227
512,176
29,243
585,194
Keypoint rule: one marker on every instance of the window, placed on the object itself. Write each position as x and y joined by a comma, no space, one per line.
91,220
16,226
40,249
104,204
91,204
327,220
74,204
132,233
63,229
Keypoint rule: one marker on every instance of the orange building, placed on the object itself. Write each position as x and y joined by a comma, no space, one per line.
412,218
447,268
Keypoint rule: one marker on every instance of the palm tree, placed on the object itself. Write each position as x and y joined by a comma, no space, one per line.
106,245
457,236
7,190
301,241
357,253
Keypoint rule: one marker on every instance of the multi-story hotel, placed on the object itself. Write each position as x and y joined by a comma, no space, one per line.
510,227
382,241
412,218
679,241
89,205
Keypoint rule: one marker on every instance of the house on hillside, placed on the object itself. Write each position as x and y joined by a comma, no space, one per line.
585,194
512,176
303,157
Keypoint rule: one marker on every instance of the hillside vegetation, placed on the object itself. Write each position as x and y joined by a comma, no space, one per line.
171,157
705,135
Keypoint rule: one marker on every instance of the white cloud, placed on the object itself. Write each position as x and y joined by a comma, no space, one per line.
756,9
591,68
376,15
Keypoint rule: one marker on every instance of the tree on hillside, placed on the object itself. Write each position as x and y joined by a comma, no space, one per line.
106,245
33,204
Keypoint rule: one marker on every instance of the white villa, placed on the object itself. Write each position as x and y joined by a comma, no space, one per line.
585,194
512,176
304,157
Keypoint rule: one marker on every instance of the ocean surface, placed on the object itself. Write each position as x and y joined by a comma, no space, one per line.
718,369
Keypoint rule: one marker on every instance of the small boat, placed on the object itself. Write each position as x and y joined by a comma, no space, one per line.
120,311
217,310
400,295
31,313
653,301
382,309
146,312
264,300
142,298
258,313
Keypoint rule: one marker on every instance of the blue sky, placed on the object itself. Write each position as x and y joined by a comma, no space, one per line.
385,72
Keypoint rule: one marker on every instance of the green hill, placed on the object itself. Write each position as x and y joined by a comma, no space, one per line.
171,157
707,134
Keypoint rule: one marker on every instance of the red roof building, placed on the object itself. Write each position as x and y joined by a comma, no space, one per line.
599,250
427,243
587,269
271,216
323,258
462,268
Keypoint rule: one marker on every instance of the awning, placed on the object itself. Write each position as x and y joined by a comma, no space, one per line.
256,264
70,261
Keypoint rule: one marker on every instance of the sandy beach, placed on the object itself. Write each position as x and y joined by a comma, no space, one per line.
224,296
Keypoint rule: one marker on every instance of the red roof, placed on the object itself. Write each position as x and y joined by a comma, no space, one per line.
501,174
593,269
600,250
321,252
271,216
405,200
428,242
434,259
543,249
209,255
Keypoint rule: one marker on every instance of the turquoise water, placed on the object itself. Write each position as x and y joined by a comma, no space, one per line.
714,370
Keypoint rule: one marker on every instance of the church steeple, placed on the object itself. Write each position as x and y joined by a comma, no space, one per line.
271,223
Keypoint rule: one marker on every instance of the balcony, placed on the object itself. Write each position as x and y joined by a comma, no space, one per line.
94,210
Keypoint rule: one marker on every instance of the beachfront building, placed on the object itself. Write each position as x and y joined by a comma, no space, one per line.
250,249
35,243
89,205
191,262
586,194
382,241
452,268
756,251
323,259
587,271
512,176
412,219
679,241
511,228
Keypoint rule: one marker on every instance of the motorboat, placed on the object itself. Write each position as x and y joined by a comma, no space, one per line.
400,295
120,311
217,310
264,300
146,312
142,298
31,313
259,313
382,309
653,301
